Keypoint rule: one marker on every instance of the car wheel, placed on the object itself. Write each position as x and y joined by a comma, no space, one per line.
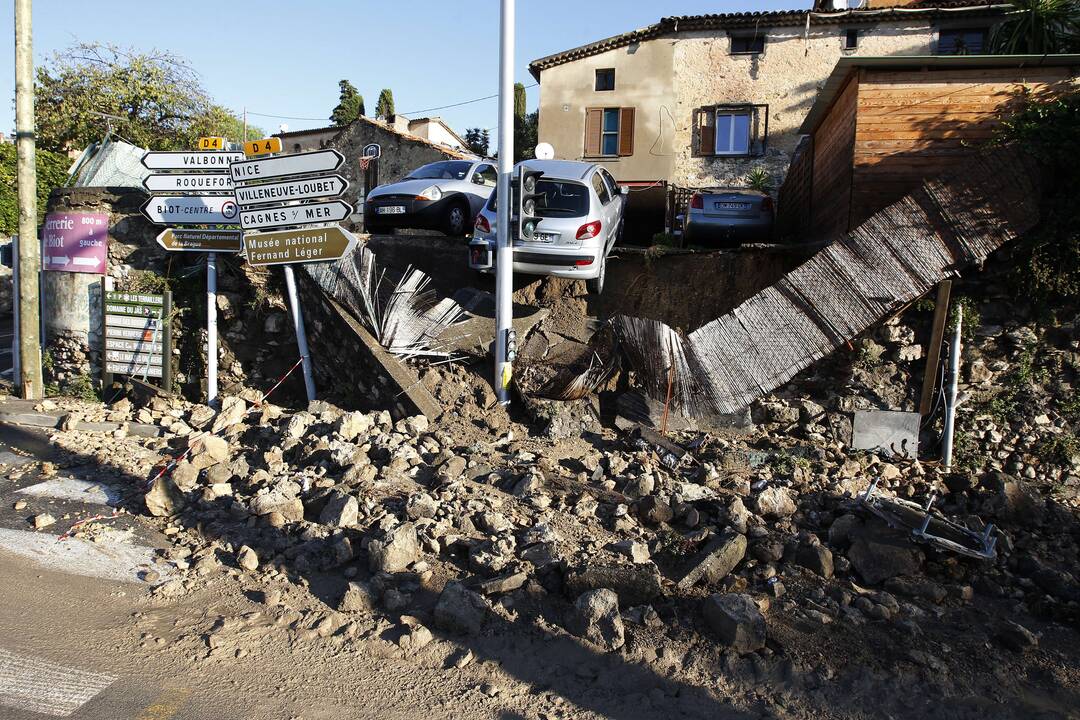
596,285
456,219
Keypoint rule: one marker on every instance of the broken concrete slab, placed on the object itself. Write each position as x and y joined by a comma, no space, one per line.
896,433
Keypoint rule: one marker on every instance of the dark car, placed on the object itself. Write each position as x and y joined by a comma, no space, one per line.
728,217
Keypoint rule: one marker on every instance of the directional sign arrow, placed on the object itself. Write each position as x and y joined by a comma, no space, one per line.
156,160
191,210
305,214
284,165
188,182
314,244
327,186
180,240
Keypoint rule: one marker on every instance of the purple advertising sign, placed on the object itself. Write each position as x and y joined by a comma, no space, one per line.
75,242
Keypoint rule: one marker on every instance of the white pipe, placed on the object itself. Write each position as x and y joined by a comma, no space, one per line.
504,268
950,400
298,326
211,329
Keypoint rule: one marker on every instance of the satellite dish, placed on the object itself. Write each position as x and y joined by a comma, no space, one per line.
544,151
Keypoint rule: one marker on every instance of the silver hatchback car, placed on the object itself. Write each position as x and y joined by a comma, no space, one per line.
581,220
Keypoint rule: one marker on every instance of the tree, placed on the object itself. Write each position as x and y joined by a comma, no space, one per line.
157,96
1036,27
52,172
519,100
384,108
478,141
350,104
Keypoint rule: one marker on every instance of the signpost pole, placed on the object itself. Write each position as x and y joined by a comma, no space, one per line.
211,328
301,336
504,259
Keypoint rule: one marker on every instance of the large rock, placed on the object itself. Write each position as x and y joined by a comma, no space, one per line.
396,552
358,597
460,610
878,553
595,617
341,510
232,411
208,450
352,425
164,499
715,561
816,558
282,499
185,475
775,502
634,584
736,620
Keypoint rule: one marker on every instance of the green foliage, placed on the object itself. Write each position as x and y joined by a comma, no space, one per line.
158,97
1017,393
81,387
964,307
519,101
1059,449
664,239
869,353
924,304
350,104
478,141
759,179
1035,27
965,452
144,281
1047,265
384,107
52,172
525,135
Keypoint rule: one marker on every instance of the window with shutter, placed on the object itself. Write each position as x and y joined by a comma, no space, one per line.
609,132
626,131
731,130
593,119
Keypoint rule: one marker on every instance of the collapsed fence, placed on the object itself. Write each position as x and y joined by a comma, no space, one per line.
891,259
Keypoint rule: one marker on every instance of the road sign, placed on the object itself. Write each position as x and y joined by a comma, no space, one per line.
75,242
188,182
305,214
190,160
191,210
262,147
211,143
181,240
285,165
137,341
327,186
314,244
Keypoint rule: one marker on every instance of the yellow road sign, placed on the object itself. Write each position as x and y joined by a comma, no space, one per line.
262,147
211,143
312,244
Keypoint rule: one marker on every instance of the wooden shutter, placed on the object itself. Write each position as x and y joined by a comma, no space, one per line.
594,118
626,131
707,132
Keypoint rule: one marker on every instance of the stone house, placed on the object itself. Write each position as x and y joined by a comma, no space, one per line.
700,101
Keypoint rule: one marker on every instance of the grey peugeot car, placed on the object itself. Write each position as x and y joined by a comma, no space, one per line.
444,195
581,220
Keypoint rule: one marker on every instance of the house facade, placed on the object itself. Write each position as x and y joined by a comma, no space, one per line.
700,101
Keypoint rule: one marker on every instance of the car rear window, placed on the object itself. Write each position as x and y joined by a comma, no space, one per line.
561,199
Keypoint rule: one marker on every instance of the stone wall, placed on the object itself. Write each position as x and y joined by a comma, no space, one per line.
787,76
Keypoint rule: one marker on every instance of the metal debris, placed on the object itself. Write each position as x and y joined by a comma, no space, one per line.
929,526
671,455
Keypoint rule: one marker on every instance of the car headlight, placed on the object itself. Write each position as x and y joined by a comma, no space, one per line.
431,193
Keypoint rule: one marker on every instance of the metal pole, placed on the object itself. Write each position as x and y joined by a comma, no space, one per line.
950,406
301,338
504,259
29,249
211,329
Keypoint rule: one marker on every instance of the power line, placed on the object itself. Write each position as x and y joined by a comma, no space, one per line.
412,112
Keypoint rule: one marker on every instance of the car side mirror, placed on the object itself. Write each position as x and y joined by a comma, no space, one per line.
624,190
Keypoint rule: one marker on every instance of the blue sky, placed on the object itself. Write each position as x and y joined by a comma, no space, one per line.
286,58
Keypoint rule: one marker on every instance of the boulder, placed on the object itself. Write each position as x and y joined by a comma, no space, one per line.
460,610
281,499
352,425
595,618
164,499
208,450
247,559
396,552
775,502
358,597
232,411
185,475
816,558
341,510
715,561
634,584
736,620
879,553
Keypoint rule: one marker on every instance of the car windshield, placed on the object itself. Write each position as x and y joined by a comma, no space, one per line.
448,170
561,199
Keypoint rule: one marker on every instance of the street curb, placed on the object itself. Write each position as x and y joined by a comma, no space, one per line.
53,422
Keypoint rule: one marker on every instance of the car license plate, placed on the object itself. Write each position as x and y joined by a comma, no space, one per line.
731,206
390,210
546,238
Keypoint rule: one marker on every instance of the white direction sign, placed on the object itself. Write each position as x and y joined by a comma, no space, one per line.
294,215
189,182
191,210
328,186
284,165
190,160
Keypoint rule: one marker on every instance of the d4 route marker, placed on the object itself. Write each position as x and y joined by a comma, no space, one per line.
265,146
211,143
285,165
313,244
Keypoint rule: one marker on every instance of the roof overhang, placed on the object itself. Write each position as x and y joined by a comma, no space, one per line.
845,66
